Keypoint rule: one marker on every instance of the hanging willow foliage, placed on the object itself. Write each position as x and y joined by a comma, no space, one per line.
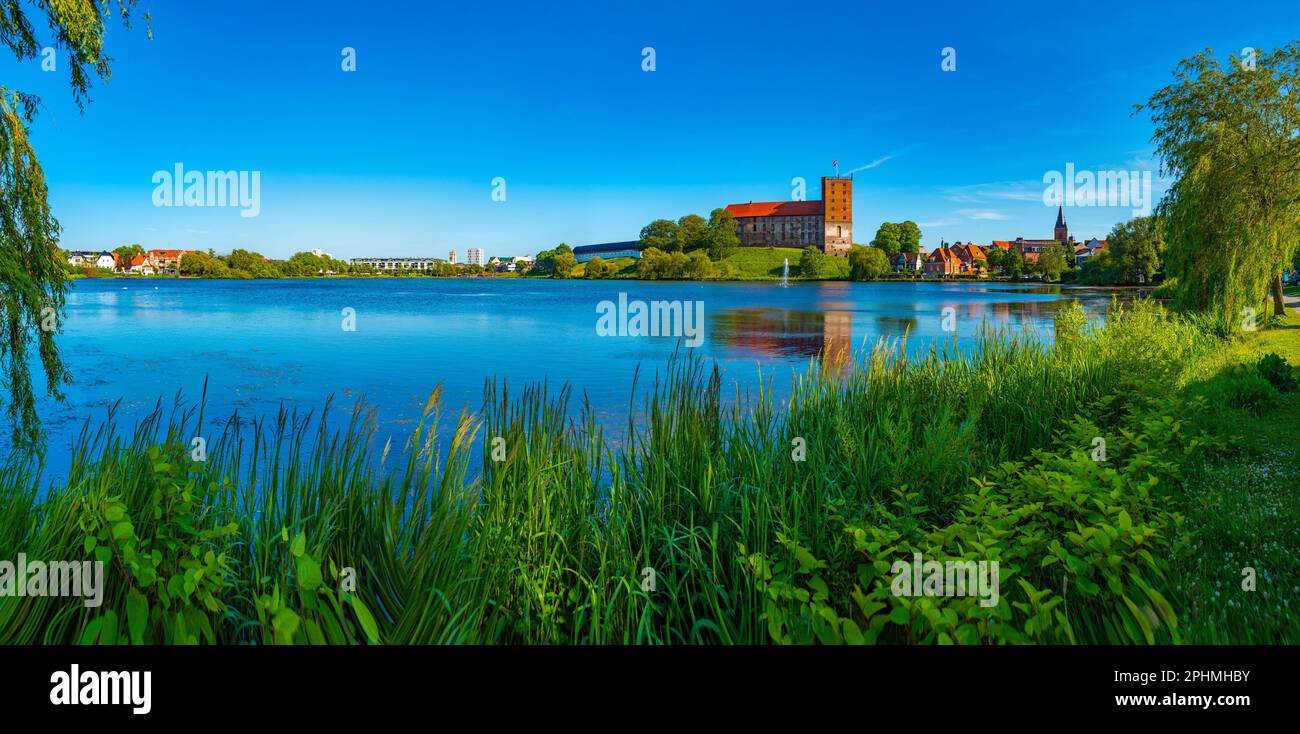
33,283
1230,139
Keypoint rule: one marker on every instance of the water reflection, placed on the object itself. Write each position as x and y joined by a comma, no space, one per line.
829,334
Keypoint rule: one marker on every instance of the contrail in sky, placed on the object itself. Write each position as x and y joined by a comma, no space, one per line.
872,164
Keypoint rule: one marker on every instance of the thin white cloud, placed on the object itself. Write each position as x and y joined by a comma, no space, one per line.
982,214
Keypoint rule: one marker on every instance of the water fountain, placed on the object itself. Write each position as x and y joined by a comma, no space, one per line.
785,274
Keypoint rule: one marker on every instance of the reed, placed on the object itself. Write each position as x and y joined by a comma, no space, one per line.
444,543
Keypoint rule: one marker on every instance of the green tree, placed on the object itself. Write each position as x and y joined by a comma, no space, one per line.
653,265
1232,216
1051,262
867,263
1135,248
127,253
660,234
1010,262
545,260
252,263
203,265
698,266
595,269
565,262
812,263
909,237
692,233
33,280
722,236
889,239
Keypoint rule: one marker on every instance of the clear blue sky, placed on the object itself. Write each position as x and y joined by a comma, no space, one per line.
398,157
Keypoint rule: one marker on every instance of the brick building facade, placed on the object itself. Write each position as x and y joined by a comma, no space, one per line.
826,224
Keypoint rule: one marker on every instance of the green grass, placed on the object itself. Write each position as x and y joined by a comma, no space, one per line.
624,267
1243,504
766,263
749,543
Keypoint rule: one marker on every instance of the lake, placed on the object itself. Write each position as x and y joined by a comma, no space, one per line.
263,344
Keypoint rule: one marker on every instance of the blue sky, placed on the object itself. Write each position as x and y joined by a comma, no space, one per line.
398,157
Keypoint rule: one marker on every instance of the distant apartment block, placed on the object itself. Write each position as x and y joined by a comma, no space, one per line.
396,263
451,257
474,256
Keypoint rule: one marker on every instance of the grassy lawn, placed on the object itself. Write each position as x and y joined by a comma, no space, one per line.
1242,509
765,263
625,267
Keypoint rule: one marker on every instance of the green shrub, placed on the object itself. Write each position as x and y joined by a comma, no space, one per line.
1243,390
164,554
1274,368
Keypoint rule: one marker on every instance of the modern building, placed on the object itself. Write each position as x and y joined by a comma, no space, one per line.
826,224
451,257
607,251
474,256
396,263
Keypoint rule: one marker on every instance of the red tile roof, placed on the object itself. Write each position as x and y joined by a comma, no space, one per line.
1001,244
776,209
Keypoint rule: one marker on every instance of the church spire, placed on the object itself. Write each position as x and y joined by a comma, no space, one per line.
1061,233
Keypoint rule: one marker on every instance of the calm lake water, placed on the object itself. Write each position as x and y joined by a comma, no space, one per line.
263,344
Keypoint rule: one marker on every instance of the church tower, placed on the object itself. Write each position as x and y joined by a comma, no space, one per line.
1061,233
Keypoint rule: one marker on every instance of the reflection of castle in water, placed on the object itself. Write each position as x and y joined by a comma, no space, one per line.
788,333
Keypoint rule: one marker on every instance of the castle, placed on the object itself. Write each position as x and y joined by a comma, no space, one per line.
826,224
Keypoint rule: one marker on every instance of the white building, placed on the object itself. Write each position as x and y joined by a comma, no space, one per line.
98,259
451,257
474,256
397,263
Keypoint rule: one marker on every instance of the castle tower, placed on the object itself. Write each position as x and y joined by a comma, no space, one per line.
1061,233
837,215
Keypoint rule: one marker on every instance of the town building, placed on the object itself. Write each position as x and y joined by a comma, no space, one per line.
943,263
973,259
1031,249
168,260
826,224
84,258
451,257
607,251
474,256
396,263
910,263
1088,249
141,265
